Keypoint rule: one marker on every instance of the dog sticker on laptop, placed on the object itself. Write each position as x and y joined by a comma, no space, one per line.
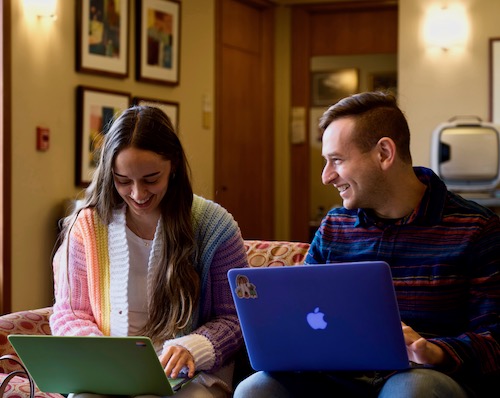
244,288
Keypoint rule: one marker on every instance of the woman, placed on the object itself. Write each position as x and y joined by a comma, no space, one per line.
142,255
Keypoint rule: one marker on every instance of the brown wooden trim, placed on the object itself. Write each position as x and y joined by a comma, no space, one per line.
299,153
5,187
217,95
490,76
347,6
258,3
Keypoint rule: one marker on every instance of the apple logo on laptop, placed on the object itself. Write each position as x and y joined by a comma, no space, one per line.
316,319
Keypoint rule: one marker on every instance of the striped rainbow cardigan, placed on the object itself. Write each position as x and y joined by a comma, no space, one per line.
94,302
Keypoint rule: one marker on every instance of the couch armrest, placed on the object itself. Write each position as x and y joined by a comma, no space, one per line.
22,322
12,375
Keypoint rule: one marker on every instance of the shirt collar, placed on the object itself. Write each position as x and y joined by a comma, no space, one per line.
430,209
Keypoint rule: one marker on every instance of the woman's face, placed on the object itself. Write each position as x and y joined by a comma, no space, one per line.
141,178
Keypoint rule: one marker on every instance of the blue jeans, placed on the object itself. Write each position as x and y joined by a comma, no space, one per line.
414,383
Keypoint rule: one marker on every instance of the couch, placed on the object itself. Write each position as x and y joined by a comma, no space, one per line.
16,383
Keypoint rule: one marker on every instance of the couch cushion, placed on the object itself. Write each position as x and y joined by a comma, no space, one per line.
263,253
22,322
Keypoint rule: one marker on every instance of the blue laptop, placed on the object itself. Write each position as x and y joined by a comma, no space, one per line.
341,316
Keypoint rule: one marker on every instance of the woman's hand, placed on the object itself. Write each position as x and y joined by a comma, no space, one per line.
174,358
420,350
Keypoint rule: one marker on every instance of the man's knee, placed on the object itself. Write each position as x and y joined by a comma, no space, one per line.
260,384
422,383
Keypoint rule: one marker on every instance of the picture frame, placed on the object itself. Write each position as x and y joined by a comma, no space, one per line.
384,81
494,77
330,86
96,110
102,32
158,41
171,108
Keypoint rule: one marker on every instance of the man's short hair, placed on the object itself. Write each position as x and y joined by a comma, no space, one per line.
376,115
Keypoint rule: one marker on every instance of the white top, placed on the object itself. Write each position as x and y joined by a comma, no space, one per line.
139,251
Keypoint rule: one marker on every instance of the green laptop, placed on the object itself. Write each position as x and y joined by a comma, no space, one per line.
99,365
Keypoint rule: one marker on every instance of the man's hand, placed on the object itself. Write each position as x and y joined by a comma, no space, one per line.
174,359
420,350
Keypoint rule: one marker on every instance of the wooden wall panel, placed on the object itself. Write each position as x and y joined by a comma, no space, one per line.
354,32
239,19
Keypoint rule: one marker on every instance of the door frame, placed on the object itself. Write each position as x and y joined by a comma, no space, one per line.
5,158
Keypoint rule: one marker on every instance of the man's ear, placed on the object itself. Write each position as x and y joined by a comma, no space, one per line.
386,152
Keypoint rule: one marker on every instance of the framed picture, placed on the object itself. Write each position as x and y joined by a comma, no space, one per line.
384,81
96,110
329,87
158,41
495,80
102,32
169,107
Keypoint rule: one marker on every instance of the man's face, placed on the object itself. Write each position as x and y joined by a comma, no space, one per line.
356,175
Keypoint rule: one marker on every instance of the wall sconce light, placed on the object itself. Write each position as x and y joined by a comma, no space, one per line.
446,27
41,8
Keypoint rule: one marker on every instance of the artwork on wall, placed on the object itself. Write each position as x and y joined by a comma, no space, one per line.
102,33
329,87
384,81
96,109
170,108
495,80
158,41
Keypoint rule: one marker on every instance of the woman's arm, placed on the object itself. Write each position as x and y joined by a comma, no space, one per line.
72,311
214,342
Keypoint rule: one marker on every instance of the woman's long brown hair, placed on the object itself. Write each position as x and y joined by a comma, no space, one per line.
174,293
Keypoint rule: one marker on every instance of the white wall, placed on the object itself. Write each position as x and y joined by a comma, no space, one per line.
43,94
435,85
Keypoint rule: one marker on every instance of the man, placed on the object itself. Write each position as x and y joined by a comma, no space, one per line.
444,253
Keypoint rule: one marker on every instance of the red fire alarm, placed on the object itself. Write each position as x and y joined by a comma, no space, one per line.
42,138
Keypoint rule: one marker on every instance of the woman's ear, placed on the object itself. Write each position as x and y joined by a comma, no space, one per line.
172,172
386,152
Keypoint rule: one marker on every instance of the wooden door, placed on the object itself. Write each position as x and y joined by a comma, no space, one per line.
244,129
343,28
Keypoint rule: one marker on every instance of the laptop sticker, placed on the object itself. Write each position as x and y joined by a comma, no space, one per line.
244,288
